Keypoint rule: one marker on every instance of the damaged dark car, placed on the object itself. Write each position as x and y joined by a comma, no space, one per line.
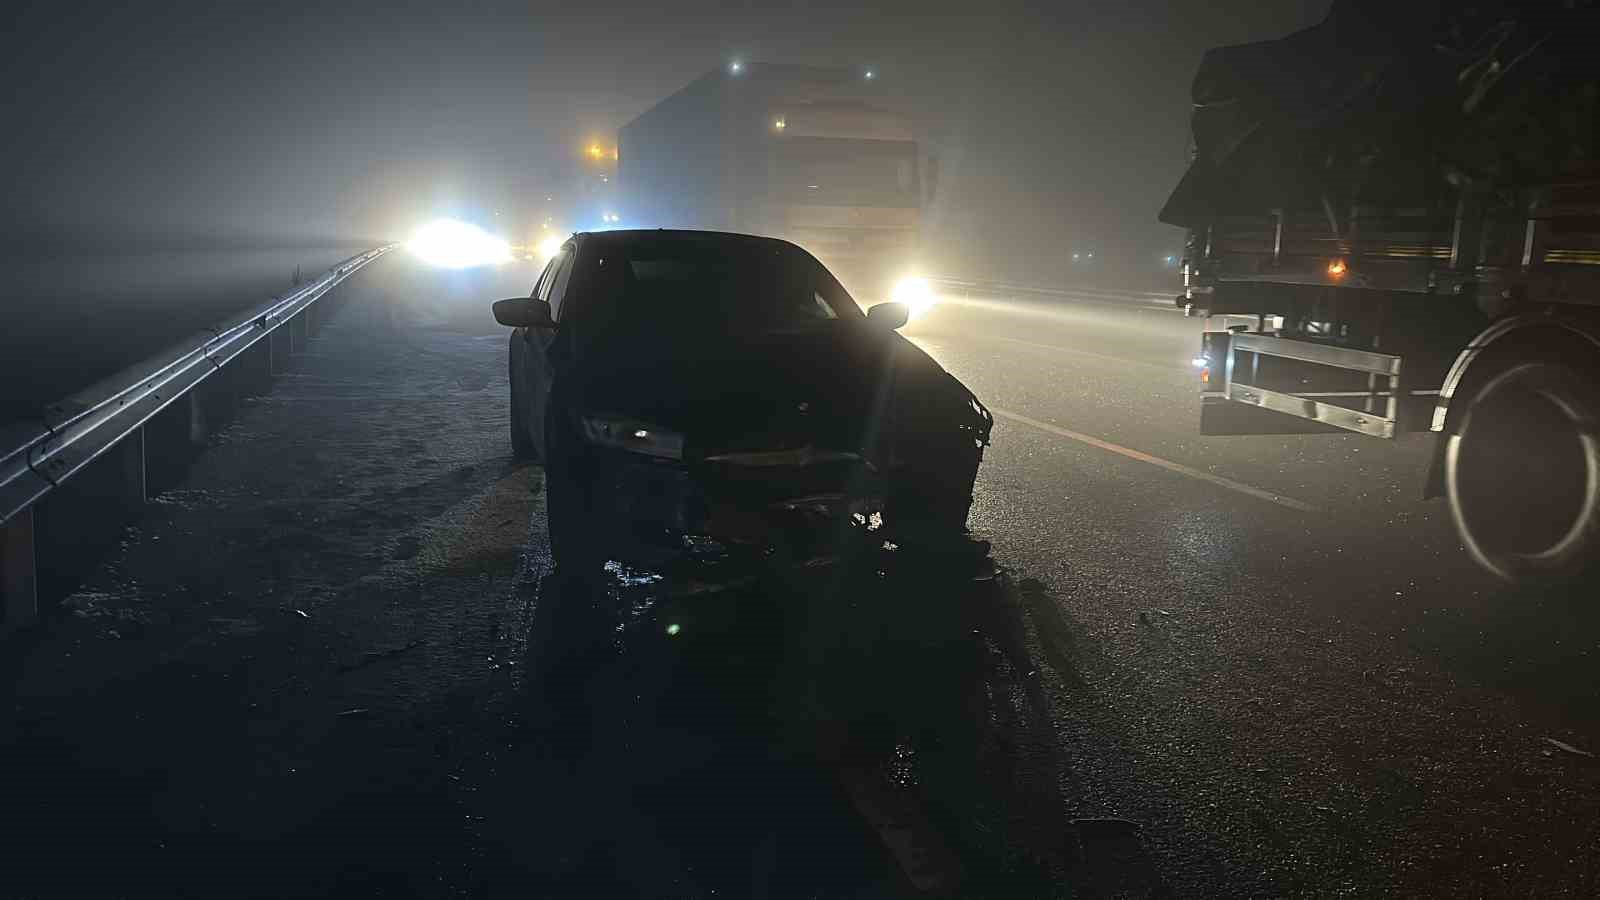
704,397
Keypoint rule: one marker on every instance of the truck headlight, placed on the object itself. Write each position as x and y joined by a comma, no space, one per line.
633,435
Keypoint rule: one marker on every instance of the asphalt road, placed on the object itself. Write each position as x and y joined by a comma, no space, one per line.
1206,667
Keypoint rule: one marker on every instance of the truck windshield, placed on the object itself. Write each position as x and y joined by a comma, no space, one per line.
710,284
847,172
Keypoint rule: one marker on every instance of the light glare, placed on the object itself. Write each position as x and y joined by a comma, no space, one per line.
916,294
452,244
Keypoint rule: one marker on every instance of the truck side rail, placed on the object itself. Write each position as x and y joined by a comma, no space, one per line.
1377,366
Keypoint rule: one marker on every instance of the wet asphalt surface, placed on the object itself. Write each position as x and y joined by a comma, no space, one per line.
334,660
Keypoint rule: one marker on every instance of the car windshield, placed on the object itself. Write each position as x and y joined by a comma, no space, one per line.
737,286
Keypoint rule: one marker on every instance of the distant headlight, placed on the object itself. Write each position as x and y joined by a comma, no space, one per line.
550,246
916,294
624,433
456,245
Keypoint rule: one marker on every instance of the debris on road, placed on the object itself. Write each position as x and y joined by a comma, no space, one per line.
1105,827
374,656
1567,748
923,855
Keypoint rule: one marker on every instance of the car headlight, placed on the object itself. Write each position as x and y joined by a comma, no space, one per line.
450,244
916,294
633,435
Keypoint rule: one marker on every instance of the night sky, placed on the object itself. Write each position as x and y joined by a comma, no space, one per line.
1059,125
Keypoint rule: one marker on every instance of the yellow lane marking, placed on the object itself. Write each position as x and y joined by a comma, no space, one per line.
1167,464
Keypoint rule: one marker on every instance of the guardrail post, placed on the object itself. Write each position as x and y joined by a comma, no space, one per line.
277,352
135,485
19,580
297,332
255,367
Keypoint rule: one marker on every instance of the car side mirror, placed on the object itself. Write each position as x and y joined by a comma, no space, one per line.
889,315
524,312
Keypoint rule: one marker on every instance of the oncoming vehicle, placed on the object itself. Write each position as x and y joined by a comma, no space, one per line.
701,394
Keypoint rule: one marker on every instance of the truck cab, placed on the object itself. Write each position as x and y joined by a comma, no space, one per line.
811,155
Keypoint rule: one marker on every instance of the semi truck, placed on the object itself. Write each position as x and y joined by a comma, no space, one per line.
1393,224
811,155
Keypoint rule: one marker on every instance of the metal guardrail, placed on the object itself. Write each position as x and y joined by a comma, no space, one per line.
36,459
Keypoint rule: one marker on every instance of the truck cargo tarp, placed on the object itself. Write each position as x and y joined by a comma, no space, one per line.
1280,122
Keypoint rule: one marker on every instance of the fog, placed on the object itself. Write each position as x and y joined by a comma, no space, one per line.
295,125
318,129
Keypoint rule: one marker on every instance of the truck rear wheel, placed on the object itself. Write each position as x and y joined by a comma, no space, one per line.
1522,473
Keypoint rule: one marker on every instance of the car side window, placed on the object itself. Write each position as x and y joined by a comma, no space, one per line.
555,287
829,293
539,284
558,264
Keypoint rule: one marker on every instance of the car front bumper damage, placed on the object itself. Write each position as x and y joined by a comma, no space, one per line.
802,505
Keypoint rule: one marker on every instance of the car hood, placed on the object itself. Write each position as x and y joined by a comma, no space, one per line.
835,385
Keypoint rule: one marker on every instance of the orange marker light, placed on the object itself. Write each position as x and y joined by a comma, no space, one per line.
1337,268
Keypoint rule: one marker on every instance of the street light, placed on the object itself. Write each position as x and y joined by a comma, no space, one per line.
735,67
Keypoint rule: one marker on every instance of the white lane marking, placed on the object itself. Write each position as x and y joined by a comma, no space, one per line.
1167,464
1100,295
1120,359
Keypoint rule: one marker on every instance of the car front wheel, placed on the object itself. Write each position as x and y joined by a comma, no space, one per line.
576,547
931,494
524,439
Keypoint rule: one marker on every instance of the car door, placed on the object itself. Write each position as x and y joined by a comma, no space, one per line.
537,342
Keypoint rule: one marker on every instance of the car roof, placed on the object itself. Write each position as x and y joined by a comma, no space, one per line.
733,239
